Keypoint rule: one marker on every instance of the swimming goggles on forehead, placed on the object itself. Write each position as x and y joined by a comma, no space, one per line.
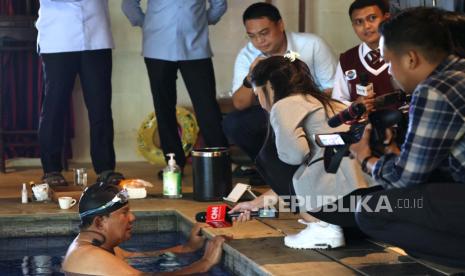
121,198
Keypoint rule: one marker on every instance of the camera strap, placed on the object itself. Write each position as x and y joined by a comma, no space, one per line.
308,160
333,157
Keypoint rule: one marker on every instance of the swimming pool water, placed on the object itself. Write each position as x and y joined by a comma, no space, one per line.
43,255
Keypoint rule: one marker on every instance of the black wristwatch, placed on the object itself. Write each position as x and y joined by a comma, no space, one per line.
246,83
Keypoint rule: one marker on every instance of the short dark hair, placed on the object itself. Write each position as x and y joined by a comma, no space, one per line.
260,10
422,28
95,196
456,24
360,4
87,221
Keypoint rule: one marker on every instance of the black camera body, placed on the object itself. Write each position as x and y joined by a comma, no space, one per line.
337,144
380,121
388,114
392,100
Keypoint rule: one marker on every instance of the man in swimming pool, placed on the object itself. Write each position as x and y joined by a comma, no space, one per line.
106,222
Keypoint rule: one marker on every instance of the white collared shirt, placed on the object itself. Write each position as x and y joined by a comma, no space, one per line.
341,88
313,51
73,25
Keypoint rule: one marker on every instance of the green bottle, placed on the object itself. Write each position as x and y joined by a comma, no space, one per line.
172,179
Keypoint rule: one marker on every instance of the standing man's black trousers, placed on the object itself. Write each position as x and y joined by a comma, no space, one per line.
60,71
199,78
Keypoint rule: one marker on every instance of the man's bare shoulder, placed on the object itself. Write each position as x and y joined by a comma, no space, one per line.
92,260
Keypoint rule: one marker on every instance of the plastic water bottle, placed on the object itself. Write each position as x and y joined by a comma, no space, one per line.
172,179
24,194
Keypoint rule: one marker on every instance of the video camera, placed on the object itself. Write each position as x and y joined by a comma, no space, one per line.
337,144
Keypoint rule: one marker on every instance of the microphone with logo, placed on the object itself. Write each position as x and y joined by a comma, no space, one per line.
364,88
218,217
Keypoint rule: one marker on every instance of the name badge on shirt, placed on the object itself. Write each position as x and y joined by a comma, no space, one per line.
351,74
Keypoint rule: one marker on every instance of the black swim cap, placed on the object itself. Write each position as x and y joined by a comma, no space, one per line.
99,199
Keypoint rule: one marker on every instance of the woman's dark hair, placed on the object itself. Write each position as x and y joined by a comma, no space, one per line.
288,78
260,10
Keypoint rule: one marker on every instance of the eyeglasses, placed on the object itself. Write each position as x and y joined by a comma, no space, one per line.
260,35
121,197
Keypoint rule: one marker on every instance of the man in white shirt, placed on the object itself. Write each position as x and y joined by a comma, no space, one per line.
75,39
247,127
363,59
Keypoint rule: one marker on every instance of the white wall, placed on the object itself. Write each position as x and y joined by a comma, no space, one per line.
330,20
131,92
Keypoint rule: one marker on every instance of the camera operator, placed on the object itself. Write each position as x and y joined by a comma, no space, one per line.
428,170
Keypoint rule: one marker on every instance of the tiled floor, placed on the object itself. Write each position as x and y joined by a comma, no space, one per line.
257,243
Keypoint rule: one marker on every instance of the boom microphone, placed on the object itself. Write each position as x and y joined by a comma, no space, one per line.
218,217
353,112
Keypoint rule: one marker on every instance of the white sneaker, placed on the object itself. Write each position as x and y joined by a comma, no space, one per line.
317,235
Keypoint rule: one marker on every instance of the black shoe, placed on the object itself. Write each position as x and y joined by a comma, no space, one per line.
54,179
110,177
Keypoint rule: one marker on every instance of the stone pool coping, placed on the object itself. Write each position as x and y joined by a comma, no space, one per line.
257,248
43,219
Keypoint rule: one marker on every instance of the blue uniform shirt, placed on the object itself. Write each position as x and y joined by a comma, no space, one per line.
175,30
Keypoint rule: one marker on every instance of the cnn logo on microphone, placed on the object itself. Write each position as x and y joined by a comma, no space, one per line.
215,212
217,216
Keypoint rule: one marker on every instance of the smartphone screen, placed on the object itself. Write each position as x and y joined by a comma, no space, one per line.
328,140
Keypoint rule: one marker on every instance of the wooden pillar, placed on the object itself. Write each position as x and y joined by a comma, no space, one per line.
302,14
302,17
